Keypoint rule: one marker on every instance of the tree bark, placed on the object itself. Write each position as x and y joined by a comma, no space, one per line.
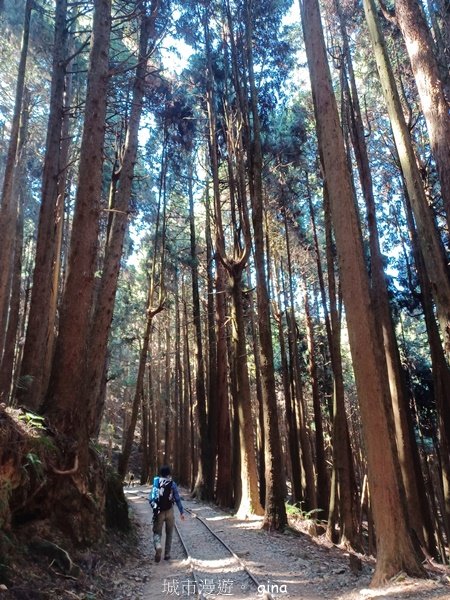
8,208
395,551
321,469
291,425
41,318
9,361
419,44
65,406
406,445
202,485
249,501
101,322
275,511
430,242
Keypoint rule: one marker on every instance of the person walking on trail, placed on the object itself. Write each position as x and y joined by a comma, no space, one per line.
162,497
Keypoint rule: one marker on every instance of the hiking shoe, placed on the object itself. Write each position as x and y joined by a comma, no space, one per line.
158,553
167,558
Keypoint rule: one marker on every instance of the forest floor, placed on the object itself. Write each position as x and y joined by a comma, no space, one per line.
293,565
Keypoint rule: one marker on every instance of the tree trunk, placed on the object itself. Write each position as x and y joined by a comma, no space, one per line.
419,44
131,426
440,368
344,490
202,485
249,501
8,207
430,242
258,386
291,424
101,322
65,405
321,468
395,551
275,511
8,363
406,444
41,317
224,492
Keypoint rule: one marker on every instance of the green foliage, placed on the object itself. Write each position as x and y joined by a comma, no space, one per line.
295,510
34,464
33,420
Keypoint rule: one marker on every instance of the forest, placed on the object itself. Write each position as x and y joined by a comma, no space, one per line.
224,246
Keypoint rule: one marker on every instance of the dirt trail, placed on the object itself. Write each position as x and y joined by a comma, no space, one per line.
290,566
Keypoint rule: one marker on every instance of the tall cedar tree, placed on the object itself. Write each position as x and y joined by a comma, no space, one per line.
41,318
67,404
395,551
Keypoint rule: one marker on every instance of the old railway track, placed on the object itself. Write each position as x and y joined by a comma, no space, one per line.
216,569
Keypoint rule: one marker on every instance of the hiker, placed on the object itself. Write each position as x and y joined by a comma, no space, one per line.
162,496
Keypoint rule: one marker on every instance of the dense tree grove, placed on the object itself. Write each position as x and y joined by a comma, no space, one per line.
224,245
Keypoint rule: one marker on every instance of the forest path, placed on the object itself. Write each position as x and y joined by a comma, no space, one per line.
293,566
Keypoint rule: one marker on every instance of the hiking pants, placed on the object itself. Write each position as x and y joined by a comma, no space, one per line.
167,517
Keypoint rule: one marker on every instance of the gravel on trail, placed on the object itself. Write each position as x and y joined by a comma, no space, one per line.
291,565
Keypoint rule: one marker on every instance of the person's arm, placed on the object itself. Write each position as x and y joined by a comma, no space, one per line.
176,497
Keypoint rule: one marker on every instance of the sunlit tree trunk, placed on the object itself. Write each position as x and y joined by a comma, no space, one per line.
395,551
321,469
430,241
419,44
406,446
291,425
343,496
275,511
249,501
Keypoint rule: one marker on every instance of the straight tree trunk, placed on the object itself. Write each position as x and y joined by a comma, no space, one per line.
249,501
137,400
41,318
101,322
10,355
308,478
202,485
216,389
430,242
343,497
218,402
407,448
419,44
291,424
8,207
275,511
440,368
321,468
395,551
65,406
300,414
224,496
